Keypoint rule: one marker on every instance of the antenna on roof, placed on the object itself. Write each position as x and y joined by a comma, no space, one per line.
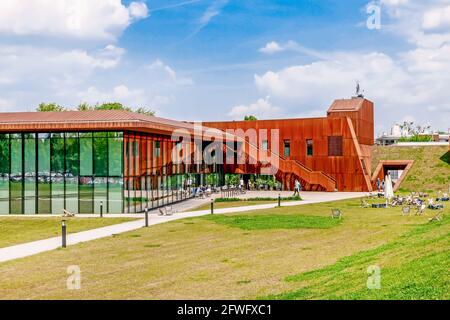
359,93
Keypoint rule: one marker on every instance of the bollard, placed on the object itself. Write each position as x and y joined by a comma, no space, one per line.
101,209
64,233
212,206
146,217
279,200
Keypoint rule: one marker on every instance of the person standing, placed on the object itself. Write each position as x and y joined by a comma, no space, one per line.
378,184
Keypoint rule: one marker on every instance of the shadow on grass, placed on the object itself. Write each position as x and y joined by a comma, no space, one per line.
446,157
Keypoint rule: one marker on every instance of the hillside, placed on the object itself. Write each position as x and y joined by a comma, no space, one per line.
431,169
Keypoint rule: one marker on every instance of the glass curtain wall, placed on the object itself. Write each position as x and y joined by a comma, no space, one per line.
86,172
49,172
151,178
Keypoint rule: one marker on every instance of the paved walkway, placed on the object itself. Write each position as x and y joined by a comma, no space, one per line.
35,247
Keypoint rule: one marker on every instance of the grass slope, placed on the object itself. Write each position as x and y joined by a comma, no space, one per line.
200,259
20,230
431,169
415,266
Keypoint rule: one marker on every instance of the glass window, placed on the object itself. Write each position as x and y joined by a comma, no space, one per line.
309,147
30,174
4,174
100,194
16,178
265,145
86,161
115,156
72,171
115,195
157,150
287,148
43,168
86,191
101,156
57,172
72,194
335,146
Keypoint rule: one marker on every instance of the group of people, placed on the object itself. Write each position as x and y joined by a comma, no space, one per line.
380,185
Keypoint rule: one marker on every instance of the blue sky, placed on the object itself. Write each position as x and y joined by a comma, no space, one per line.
222,59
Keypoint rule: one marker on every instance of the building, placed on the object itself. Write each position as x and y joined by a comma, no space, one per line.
117,161
399,135
330,151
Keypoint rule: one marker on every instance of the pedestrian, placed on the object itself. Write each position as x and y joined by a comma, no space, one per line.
297,187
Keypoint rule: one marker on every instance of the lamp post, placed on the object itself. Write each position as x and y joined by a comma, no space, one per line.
146,217
64,233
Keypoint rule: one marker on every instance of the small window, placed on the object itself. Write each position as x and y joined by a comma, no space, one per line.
335,146
309,147
265,145
157,150
135,148
287,148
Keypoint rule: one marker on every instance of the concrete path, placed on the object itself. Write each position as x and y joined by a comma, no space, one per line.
35,247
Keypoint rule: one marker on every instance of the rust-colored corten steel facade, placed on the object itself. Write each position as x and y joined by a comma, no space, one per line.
118,161
320,151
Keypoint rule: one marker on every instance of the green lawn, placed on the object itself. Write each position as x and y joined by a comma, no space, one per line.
237,202
16,230
431,169
415,266
245,256
231,204
266,222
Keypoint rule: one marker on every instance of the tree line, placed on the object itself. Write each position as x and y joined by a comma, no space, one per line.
53,107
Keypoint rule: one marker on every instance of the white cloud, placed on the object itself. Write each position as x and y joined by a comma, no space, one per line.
274,47
24,63
271,48
120,93
262,109
436,18
414,81
138,10
169,72
213,10
84,19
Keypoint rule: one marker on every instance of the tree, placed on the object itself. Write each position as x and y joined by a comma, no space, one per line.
84,107
111,106
145,111
250,118
50,107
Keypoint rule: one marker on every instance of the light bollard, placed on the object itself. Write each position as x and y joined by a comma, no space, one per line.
64,233
212,206
279,200
101,209
146,217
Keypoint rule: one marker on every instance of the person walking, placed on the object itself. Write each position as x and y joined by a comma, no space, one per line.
297,187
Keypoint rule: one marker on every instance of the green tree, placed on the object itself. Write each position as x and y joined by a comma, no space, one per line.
49,107
112,106
84,107
145,111
250,118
